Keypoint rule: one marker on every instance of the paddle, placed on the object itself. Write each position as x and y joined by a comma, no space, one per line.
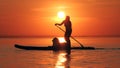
71,37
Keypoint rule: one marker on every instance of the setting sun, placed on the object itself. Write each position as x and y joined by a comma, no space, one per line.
61,14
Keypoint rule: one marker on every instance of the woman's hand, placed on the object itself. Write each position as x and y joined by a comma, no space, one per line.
56,24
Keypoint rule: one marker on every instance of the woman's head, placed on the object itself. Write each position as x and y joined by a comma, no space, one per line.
67,17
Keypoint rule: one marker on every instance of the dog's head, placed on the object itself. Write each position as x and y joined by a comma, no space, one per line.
55,39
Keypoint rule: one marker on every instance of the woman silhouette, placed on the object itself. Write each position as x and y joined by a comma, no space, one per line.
68,30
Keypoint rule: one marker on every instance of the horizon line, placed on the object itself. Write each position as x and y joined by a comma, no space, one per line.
58,36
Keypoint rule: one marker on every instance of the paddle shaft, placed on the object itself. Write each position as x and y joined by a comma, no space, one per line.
71,37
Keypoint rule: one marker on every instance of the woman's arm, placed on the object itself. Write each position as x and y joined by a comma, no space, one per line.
60,23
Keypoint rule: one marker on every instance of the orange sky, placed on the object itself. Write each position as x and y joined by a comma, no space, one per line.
37,17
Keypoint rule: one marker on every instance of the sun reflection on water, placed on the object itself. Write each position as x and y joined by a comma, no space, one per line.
63,61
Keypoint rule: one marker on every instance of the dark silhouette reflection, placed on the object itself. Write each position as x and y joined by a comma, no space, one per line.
63,59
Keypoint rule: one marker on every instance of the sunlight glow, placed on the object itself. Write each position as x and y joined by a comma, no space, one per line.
61,60
61,40
61,14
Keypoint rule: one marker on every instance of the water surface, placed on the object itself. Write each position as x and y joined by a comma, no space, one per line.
11,57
